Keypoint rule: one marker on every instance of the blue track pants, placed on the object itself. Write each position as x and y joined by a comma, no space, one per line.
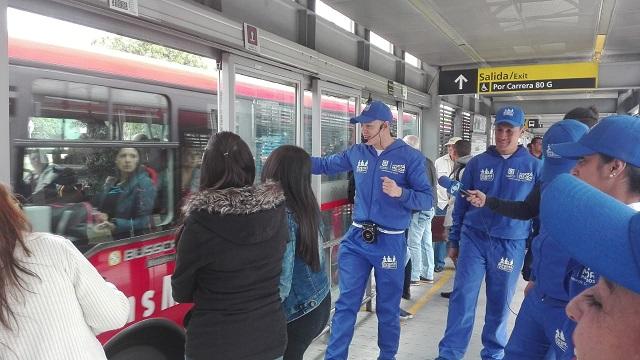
501,260
355,261
539,326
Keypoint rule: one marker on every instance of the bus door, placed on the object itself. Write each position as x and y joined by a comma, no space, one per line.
333,107
266,108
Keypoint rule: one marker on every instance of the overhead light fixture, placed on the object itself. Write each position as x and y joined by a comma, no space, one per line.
598,47
605,16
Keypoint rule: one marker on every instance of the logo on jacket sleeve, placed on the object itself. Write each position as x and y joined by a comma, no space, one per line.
363,165
560,340
486,175
389,262
505,264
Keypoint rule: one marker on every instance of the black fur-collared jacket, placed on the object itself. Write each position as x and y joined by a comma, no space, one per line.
229,262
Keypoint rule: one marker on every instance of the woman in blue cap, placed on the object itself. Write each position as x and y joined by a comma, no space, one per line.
609,160
608,313
542,311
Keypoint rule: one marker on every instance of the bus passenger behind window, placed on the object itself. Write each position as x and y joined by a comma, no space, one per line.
189,171
127,200
53,302
40,182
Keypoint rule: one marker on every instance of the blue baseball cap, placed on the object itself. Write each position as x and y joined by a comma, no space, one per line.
375,110
561,132
617,136
596,229
511,115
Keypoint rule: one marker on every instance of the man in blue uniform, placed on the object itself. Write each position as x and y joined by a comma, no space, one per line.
485,243
391,182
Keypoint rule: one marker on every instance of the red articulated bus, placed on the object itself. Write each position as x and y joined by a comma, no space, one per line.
72,109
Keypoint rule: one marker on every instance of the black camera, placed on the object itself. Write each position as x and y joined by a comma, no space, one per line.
369,233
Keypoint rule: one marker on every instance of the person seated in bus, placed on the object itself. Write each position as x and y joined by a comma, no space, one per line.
304,285
229,258
189,171
53,302
126,202
40,181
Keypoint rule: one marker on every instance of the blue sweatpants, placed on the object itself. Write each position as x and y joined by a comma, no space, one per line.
501,261
539,326
566,349
355,261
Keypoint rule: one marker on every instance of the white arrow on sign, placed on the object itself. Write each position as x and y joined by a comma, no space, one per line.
460,80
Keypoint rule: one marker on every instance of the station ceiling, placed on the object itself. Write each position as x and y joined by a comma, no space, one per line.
454,33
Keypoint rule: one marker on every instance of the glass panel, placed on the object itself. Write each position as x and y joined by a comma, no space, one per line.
92,195
265,116
323,10
63,43
143,116
380,42
411,60
410,124
65,110
337,132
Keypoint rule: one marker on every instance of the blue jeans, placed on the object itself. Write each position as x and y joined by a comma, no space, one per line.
419,244
439,253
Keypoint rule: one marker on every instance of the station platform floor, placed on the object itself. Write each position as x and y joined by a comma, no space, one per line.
419,336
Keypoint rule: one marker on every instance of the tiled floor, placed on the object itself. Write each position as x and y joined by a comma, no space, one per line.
419,336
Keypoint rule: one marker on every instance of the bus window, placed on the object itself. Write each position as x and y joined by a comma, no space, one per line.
65,110
93,195
141,113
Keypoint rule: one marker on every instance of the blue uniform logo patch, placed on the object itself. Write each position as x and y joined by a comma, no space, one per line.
505,264
363,166
389,262
486,175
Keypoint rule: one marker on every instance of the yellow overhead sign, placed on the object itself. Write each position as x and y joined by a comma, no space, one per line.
537,77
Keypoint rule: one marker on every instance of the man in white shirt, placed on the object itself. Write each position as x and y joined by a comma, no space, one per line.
444,167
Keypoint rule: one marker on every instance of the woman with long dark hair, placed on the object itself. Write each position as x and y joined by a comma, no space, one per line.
53,302
126,201
230,257
304,285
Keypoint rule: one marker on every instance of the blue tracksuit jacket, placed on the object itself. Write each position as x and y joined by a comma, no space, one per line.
399,162
407,167
503,178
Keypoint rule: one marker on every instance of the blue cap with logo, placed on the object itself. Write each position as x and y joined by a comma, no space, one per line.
617,136
375,110
561,132
596,229
512,115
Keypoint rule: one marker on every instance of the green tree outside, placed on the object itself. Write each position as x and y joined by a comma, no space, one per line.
150,50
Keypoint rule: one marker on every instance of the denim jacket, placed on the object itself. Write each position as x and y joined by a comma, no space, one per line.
301,289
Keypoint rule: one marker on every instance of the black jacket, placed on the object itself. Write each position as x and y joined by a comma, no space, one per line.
229,262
